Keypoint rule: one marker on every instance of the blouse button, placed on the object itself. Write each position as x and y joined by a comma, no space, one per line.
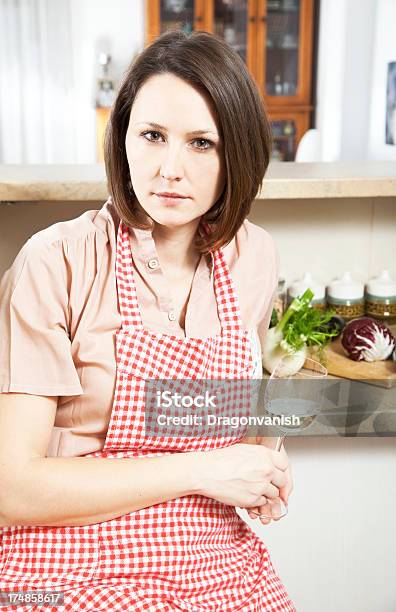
153,264
171,315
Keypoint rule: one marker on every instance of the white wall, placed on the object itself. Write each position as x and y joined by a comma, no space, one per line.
358,60
328,237
346,37
334,551
356,41
330,77
385,51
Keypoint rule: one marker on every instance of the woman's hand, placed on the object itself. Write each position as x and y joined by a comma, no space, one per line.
241,475
284,491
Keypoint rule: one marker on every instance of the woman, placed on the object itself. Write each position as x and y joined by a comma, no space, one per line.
149,287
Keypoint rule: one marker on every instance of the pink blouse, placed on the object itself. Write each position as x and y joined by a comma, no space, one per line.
59,314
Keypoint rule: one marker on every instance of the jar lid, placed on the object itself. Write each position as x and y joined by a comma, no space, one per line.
346,288
307,282
382,285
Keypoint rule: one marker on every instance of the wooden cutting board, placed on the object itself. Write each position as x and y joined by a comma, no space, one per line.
380,373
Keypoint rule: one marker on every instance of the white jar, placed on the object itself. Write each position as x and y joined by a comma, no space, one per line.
380,297
298,287
345,296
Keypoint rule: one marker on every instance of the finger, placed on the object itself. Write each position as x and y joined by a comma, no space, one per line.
260,510
273,488
276,509
265,513
284,493
288,488
272,511
280,460
270,491
255,511
278,478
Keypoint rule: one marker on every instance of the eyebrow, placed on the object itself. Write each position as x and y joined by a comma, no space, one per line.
157,126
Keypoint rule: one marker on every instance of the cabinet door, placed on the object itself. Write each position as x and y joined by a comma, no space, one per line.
284,51
164,15
288,127
235,22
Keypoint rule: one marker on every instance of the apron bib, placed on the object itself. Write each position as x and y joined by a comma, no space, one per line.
191,553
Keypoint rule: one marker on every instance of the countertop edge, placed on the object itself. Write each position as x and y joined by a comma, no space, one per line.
288,181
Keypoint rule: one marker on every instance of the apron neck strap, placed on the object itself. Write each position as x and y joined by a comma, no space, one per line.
224,287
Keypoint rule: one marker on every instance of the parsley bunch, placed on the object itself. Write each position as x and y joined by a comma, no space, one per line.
303,325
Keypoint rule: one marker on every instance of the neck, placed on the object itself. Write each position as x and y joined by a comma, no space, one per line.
175,247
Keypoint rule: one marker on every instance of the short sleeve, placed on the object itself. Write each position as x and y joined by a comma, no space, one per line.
35,348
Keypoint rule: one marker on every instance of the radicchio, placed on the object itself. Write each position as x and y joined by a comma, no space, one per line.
367,339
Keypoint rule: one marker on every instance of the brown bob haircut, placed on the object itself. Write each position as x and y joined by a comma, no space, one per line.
207,62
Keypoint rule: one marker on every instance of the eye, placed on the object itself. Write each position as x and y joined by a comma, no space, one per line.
150,132
204,142
209,143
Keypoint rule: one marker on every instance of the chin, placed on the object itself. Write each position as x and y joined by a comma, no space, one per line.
173,219
173,223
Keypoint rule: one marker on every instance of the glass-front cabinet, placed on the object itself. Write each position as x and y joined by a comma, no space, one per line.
275,40
281,47
230,21
284,50
234,20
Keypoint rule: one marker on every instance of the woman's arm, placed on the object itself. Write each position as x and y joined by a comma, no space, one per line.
39,490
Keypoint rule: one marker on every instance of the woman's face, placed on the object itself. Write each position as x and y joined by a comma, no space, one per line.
168,156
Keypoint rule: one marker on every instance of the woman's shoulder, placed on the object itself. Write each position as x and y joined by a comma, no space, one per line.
253,258
61,247
252,246
251,236
96,221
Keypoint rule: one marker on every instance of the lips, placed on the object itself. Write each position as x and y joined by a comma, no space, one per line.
169,194
170,201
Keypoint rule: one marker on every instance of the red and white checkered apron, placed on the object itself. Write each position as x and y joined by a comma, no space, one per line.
192,553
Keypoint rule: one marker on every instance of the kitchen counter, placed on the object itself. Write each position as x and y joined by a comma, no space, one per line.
288,180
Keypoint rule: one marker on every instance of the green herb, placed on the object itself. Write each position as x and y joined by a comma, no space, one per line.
274,318
303,325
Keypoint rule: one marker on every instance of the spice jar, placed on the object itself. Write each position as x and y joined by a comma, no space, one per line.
307,282
380,297
346,297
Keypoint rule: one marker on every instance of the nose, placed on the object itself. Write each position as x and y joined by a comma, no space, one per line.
171,166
